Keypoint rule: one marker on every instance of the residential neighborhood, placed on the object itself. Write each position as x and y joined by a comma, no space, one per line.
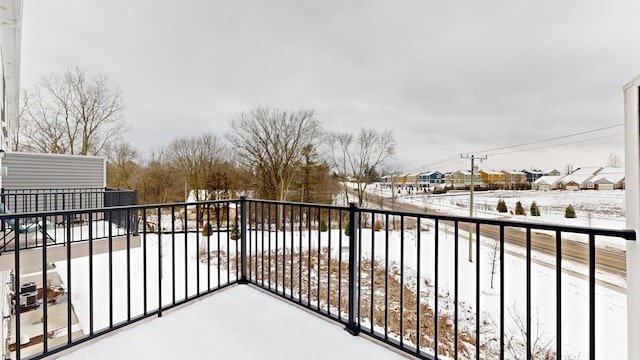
583,178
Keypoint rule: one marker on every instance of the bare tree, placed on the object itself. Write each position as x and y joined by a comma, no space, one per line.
159,180
568,169
197,159
354,157
271,142
516,341
15,142
71,114
121,165
614,161
494,259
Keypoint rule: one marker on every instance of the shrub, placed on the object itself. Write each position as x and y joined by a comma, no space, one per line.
534,209
502,206
519,208
570,212
323,225
377,226
346,228
234,231
207,230
440,190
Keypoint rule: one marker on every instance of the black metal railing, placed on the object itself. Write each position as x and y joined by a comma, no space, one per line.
399,277
405,278
116,276
35,200
44,200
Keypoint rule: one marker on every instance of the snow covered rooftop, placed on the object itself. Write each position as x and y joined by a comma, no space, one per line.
611,173
240,322
548,179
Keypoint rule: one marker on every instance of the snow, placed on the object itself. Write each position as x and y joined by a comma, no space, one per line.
236,323
257,312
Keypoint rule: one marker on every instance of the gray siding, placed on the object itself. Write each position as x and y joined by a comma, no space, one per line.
52,171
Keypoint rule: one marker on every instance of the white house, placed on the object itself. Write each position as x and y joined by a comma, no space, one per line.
580,179
546,183
610,178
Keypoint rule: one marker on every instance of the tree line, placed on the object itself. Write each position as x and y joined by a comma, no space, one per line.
267,153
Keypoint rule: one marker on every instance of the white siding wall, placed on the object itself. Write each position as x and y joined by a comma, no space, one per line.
632,167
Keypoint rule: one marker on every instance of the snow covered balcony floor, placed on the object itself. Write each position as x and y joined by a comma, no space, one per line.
239,322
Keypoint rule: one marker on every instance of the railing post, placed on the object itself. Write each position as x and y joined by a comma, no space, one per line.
243,241
352,326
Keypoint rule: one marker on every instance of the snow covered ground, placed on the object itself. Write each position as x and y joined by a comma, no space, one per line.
602,208
237,323
181,257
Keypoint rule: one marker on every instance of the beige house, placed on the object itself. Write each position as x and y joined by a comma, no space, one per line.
513,178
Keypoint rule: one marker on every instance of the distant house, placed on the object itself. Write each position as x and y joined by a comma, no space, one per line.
533,175
401,180
430,179
513,178
462,178
610,178
551,172
572,185
546,183
604,184
412,180
492,178
395,180
580,179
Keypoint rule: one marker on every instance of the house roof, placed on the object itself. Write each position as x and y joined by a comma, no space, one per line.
580,178
613,174
589,170
429,173
492,172
548,180
513,172
604,180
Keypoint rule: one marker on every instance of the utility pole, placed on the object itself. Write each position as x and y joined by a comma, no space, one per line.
473,158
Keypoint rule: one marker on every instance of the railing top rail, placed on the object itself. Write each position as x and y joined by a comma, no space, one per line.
293,203
622,233
626,234
62,191
111,208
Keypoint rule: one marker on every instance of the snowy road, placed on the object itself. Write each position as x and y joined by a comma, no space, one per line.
608,259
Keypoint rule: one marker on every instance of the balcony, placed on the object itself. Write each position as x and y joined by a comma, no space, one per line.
402,279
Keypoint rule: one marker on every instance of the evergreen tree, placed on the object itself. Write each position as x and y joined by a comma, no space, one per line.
519,208
534,209
570,212
502,206
323,225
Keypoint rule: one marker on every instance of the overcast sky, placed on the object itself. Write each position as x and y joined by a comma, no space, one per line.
448,77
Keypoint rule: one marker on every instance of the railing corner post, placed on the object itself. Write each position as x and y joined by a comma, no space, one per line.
243,240
352,327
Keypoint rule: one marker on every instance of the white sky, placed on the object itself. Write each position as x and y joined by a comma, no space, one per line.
447,77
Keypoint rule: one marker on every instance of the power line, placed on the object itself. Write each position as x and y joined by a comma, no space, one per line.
551,139
554,145
454,160
443,162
